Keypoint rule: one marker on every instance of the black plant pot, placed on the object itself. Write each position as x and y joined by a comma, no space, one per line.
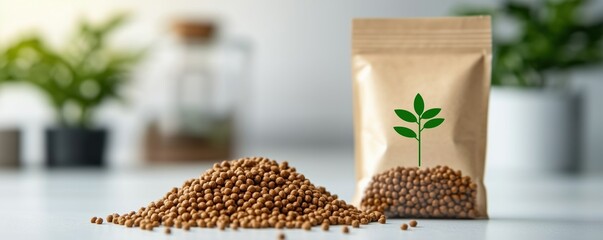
66,147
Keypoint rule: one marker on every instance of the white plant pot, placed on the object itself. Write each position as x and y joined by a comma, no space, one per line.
533,130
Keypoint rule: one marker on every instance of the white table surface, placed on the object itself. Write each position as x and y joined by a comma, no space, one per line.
58,204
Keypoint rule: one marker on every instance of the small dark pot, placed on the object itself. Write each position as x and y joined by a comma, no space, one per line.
75,147
10,147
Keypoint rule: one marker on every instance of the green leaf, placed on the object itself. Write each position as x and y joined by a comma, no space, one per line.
433,123
419,104
431,113
406,115
406,132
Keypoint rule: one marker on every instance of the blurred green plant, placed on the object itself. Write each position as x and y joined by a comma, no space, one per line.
76,79
552,35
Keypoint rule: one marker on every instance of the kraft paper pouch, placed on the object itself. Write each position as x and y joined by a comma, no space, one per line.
421,89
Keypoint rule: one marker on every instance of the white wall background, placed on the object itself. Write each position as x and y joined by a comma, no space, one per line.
301,85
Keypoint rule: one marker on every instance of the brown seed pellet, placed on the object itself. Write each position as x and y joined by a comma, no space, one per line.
325,226
345,229
168,231
404,226
109,218
249,193
412,223
382,220
281,236
307,226
99,221
438,192
93,220
356,224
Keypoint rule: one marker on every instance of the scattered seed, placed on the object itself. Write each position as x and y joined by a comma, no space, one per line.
281,236
109,218
355,224
404,226
168,231
412,223
345,229
325,226
382,220
99,221
93,220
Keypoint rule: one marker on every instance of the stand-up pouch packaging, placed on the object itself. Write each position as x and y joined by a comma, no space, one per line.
421,89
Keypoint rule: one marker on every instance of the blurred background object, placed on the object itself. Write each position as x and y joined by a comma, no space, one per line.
535,115
10,149
204,82
75,79
550,37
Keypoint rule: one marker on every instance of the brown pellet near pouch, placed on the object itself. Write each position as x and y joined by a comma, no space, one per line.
429,170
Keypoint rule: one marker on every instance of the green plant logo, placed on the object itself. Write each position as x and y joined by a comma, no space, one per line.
428,115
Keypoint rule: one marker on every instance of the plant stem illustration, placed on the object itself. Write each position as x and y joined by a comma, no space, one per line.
419,107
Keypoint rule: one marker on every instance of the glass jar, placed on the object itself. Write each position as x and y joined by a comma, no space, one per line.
198,121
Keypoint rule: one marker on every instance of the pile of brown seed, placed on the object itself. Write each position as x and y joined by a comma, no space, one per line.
438,192
247,193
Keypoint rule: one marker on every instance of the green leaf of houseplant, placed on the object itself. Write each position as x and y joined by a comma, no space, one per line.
406,132
433,123
431,113
406,115
419,104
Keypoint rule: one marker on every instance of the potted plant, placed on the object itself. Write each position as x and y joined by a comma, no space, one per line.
10,137
534,118
76,80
